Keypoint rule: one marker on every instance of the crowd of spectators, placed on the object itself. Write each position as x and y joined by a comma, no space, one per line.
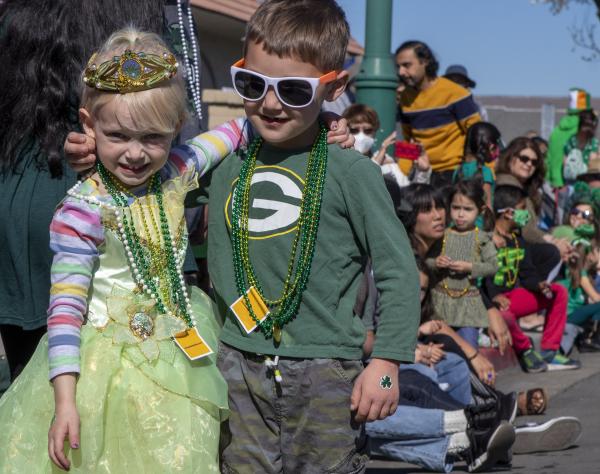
503,234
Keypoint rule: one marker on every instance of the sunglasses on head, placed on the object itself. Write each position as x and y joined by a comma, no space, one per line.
295,92
526,159
587,214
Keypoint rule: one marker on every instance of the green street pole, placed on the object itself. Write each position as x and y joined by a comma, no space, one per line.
377,81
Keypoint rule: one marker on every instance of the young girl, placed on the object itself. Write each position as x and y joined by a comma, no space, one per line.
466,253
482,146
130,348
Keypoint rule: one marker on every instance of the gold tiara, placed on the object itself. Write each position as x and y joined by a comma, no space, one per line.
130,72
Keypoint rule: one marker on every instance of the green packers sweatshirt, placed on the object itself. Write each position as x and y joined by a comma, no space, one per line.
357,222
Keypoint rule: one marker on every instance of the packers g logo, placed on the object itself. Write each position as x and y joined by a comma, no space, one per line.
275,197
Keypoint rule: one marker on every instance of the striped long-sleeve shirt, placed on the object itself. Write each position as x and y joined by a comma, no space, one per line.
76,232
438,118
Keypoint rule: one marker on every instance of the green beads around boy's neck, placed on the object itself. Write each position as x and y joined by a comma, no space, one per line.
285,308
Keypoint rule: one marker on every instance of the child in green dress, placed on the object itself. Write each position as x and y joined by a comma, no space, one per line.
131,349
466,254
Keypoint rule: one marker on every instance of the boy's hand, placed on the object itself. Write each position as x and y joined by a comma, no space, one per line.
339,132
65,425
461,267
443,261
502,301
80,151
369,399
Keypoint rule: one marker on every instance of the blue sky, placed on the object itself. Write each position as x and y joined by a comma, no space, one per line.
510,47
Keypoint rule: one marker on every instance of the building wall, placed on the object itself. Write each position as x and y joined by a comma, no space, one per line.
515,116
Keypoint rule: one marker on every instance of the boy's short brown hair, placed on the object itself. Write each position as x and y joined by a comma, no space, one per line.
314,31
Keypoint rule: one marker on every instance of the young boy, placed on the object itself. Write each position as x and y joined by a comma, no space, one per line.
297,389
517,289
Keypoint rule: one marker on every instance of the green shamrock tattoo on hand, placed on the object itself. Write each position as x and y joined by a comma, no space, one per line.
386,382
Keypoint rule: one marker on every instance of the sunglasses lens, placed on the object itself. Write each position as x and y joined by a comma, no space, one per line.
248,85
295,92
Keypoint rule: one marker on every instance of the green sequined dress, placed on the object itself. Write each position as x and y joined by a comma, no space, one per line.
144,406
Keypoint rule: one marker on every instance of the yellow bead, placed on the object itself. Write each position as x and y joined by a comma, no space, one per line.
277,334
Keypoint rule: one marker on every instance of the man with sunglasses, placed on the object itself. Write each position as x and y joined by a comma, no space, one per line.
292,223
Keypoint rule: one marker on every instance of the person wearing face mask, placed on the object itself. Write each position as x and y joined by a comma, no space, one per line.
519,289
363,123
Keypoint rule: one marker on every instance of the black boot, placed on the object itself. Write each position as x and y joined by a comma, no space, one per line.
589,340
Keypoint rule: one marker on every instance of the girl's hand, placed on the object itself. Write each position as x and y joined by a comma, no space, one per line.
338,130
498,330
443,261
80,151
65,425
461,267
485,370
430,327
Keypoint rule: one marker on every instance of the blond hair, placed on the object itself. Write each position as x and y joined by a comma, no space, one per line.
161,109
314,31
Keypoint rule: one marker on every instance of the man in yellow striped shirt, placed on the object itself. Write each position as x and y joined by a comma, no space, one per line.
435,111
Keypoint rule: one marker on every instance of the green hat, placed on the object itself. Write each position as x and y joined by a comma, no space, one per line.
579,100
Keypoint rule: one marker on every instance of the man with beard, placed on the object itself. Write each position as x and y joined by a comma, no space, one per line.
435,111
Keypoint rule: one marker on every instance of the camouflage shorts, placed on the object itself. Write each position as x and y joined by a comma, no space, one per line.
301,425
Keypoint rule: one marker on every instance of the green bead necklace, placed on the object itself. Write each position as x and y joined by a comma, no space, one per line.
169,292
285,308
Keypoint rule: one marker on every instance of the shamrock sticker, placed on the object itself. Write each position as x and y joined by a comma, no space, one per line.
386,382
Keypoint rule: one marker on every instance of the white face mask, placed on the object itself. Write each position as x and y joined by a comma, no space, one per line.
363,143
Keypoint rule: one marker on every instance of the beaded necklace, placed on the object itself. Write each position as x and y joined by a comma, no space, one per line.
192,65
509,266
455,293
155,268
284,308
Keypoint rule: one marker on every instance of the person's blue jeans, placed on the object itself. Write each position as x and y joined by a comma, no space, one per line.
469,334
414,435
452,373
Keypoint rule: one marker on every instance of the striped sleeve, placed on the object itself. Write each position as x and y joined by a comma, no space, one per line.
75,234
206,150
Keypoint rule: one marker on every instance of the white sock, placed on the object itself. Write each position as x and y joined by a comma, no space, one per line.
459,442
454,421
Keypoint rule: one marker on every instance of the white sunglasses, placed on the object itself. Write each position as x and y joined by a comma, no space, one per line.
294,92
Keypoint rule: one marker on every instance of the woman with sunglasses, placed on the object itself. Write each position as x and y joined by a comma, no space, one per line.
521,164
580,228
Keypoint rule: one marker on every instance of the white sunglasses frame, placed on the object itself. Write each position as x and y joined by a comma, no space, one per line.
274,81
